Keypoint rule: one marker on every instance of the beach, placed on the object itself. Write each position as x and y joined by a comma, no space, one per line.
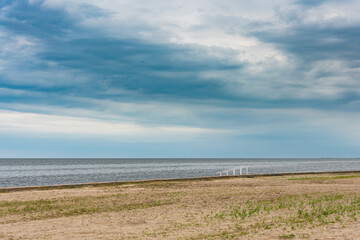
307,206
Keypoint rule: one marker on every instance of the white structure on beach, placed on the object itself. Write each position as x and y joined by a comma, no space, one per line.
234,171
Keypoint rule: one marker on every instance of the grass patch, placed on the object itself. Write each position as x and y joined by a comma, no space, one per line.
292,212
289,236
140,183
324,178
43,209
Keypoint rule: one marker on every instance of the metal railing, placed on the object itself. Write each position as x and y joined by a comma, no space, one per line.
234,170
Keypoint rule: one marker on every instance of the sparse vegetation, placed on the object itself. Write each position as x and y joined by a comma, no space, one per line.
43,209
323,178
294,212
289,236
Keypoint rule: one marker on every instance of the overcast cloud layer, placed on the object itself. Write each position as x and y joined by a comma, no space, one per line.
179,78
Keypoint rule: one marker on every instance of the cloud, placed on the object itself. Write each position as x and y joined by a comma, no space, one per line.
165,69
70,55
208,56
43,125
313,43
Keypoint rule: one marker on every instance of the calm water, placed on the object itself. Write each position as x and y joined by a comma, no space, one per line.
31,172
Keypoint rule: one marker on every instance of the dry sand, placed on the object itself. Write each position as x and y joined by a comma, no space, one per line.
188,210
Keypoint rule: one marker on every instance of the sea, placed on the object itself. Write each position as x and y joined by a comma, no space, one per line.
37,172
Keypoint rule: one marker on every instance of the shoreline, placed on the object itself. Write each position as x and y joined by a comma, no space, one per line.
205,178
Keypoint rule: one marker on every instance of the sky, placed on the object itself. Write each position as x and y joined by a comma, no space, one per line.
199,78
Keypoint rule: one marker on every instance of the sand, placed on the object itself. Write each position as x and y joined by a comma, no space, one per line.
188,210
